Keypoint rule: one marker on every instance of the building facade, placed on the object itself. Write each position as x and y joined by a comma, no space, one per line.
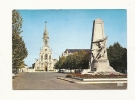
68,52
45,61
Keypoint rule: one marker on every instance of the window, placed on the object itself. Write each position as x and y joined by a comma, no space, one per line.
45,49
41,57
50,57
46,57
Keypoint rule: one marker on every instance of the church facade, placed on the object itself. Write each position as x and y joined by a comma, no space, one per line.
45,61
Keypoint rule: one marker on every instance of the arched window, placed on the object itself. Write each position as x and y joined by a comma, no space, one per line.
46,57
50,57
41,57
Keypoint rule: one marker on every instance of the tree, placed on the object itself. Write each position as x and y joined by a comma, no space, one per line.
68,62
19,51
77,60
117,56
124,58
60,64
57,65
83,59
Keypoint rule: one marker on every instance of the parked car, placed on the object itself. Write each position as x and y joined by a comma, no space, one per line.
61,71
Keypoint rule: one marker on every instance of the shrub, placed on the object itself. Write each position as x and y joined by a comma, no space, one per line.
69,76
39,70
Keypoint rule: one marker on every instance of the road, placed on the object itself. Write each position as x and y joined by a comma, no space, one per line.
49,81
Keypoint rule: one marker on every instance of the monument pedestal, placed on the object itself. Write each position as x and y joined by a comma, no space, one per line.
101,65
98,66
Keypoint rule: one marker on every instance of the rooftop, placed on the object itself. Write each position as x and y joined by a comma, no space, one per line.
76,50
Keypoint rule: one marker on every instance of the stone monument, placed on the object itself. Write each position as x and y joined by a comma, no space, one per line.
98,57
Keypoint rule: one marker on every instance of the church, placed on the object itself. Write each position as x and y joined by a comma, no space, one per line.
45,61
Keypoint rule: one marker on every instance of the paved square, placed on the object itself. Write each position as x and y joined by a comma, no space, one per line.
49,81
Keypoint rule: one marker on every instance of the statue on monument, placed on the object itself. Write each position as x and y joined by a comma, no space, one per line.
100,49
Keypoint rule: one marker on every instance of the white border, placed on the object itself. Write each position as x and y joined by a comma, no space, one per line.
6,7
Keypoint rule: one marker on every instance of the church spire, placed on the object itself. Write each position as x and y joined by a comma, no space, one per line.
45,36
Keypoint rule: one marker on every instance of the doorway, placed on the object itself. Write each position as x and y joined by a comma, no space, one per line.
45,68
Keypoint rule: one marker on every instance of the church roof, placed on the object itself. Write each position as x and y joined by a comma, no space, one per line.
76,50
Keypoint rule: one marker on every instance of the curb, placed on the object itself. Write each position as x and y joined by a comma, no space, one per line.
71,81
100,82
93,81
102,79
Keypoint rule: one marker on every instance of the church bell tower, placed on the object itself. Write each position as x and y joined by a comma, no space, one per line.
45,37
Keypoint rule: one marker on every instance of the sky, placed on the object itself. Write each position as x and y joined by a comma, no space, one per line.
70,29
